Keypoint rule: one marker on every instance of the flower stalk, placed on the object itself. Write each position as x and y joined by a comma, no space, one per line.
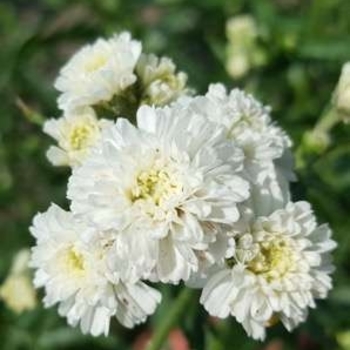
176,312
317,140
30,114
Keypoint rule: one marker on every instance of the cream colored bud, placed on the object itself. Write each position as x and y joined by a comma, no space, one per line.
20,262
241,29
243,51
238,63
17,291
341,97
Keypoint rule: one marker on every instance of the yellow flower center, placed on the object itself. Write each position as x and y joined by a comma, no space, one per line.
155,185
80,136
275,258
95,63
74,261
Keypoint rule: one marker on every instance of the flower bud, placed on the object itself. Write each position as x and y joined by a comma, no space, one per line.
243,51
341,97
17,291
241,29
160,82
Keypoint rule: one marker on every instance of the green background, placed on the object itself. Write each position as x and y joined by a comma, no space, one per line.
306,43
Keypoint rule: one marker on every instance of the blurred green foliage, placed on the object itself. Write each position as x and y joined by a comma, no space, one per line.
306,43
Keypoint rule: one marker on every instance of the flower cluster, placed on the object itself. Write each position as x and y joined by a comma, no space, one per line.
196,190
107,78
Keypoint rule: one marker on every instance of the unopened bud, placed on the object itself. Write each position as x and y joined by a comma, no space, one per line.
341,97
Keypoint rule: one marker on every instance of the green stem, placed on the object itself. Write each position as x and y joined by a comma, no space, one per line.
176,311
30,114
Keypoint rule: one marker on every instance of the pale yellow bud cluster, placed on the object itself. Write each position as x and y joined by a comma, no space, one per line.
243,51
17,291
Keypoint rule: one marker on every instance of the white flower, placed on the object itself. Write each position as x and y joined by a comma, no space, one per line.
98,72
248,125
75,134
164,186
159,81
341,97
73,269
281,265
18,291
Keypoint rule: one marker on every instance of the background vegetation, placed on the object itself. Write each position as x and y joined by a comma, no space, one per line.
305,44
